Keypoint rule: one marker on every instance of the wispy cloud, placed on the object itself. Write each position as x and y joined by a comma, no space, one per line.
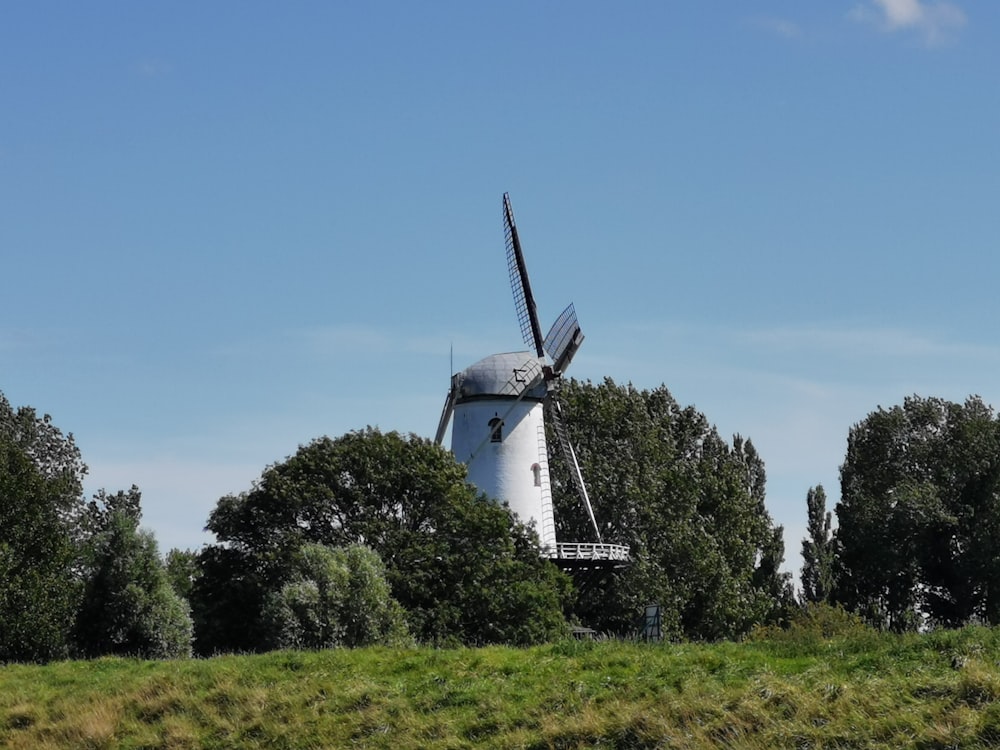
936,22
150,68
353,338
868,342
779,27
364,340
372,341
844,341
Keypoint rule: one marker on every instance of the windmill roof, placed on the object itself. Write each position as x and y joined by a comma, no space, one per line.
502,375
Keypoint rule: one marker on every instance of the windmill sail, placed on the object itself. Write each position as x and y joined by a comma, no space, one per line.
524,302
563,339
446,412
576,476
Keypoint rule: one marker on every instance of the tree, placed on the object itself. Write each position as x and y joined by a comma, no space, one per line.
128,607
817,549
41,480
38,593
55,455
773,586
463,568
336,597
919,515
690,506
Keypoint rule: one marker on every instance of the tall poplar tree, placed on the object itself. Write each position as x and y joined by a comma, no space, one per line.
817,549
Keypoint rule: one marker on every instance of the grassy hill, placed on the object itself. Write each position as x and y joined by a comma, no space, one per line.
794,690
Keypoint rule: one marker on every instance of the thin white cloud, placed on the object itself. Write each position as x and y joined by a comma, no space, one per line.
319,341
901,12
25,339
152,68
349,338
936,22
341,341
879,344
780,27
868,342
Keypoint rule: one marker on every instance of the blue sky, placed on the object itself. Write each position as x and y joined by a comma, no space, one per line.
229,228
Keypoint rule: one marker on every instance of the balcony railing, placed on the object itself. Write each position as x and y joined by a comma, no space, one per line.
596,552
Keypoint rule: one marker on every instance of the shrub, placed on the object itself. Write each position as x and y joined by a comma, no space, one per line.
337,597
812,624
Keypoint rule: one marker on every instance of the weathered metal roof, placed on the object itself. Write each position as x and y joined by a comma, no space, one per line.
503,375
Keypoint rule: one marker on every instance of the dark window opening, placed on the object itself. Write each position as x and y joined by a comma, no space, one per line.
496,430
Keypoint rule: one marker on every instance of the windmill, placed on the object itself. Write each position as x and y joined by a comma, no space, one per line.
499,407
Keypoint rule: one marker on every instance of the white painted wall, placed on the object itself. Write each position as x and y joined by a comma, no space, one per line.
504,470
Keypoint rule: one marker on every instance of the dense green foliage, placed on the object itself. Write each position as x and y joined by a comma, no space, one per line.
335,597
856,688
919,515
182,569
690,506
55,455
41,475
128,606
37,591
462,567
75,578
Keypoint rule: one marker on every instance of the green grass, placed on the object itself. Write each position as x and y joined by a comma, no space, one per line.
863,690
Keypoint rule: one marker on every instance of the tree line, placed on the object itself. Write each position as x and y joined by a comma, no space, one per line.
377,538
76,578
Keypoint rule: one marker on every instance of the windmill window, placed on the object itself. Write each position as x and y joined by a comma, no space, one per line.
536,471
496,430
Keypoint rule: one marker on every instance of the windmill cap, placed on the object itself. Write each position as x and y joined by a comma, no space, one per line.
502,375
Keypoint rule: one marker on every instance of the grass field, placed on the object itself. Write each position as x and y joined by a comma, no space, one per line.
862,690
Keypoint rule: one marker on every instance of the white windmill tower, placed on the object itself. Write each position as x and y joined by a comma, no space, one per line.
499,407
